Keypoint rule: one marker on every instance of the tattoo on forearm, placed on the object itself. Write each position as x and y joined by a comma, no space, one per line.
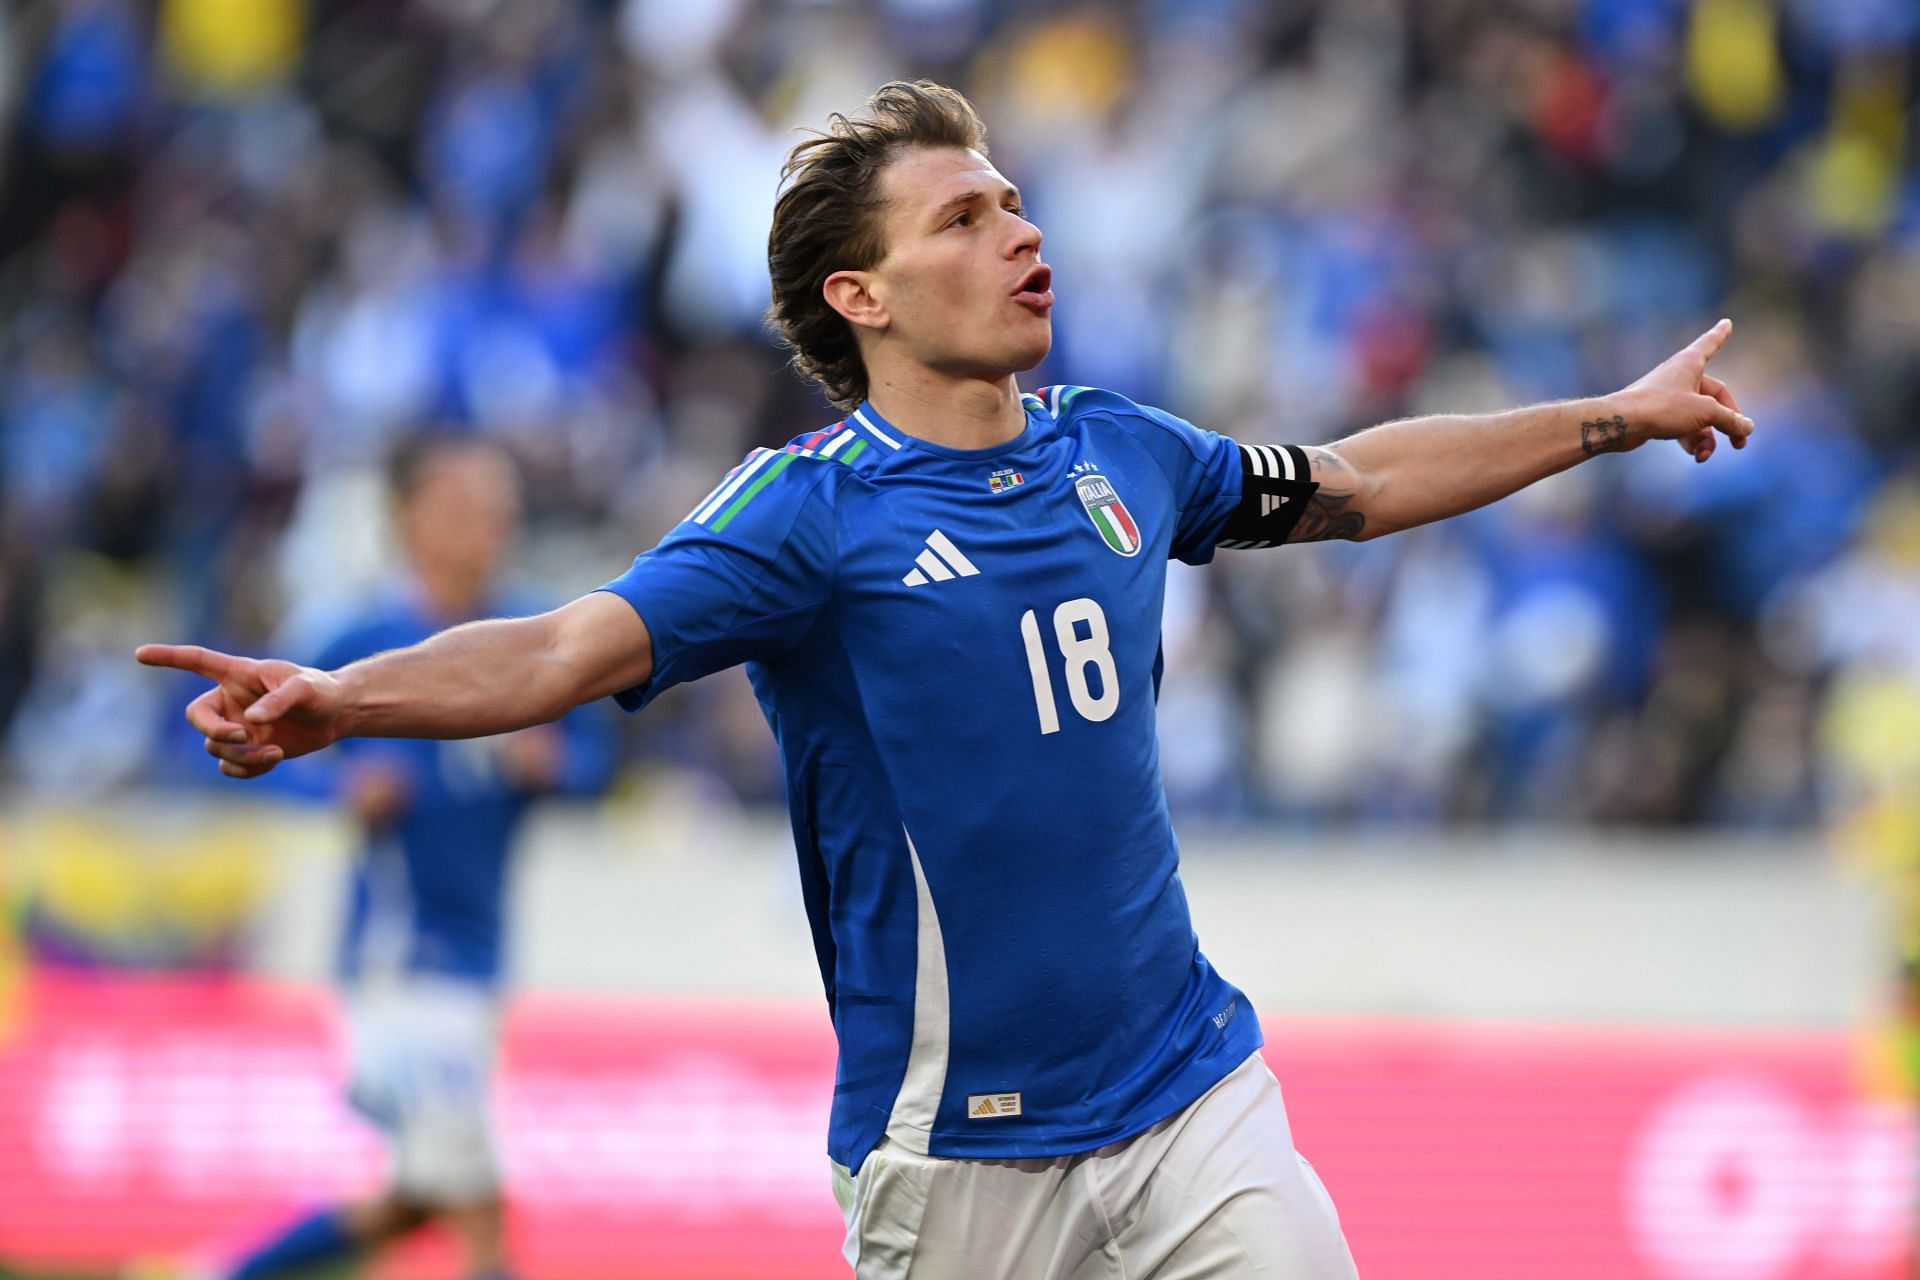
1329,512
1326,518
1603,435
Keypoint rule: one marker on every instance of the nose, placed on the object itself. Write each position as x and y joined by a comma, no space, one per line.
1026,238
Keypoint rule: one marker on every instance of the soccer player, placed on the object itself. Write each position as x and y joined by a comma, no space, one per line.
949,605
421,953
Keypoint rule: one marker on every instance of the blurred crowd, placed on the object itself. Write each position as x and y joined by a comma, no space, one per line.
247,247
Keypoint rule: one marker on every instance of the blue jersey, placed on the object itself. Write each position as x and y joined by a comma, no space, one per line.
428,893
959,653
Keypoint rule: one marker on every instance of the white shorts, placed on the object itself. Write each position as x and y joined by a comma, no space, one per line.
1215,1191
423,1055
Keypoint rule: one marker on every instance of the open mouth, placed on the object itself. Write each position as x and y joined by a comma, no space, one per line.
1036,287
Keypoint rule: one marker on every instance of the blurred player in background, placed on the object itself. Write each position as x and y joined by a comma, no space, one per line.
950,606
422,952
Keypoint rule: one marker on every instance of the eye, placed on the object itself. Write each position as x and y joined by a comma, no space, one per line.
962,219
1017,210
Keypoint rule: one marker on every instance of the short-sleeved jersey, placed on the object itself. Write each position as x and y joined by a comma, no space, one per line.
959,653
428,893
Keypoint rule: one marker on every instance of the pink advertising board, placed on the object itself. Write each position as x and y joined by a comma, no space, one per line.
683,1140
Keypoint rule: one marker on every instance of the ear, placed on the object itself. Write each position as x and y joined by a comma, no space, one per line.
852,294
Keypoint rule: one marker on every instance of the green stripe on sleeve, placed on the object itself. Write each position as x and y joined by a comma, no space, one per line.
859,447
766,478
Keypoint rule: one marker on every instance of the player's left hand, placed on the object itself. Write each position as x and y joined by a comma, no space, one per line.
1679,400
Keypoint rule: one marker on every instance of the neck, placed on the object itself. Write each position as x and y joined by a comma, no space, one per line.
958,413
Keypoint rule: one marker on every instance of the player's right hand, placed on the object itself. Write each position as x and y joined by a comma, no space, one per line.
260,711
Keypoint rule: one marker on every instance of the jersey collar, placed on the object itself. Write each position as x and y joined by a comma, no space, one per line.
884,435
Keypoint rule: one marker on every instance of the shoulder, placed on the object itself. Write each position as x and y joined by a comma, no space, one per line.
1068,402
772,490
855,446
1098,409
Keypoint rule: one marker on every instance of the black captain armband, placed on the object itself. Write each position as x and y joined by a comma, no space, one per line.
1275,483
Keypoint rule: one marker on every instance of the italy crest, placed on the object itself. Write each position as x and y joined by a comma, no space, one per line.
1109,515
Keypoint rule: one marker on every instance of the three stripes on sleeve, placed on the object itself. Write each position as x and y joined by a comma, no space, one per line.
843,442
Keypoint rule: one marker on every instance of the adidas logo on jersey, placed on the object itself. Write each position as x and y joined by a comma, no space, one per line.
940,561
992,1106
1271,502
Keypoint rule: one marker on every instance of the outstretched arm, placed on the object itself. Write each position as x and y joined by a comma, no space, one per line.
466,682
1414,471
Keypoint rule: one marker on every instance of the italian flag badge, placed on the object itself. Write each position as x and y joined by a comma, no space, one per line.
1109,515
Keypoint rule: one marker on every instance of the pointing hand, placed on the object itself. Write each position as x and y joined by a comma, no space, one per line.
260,711
1677,400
